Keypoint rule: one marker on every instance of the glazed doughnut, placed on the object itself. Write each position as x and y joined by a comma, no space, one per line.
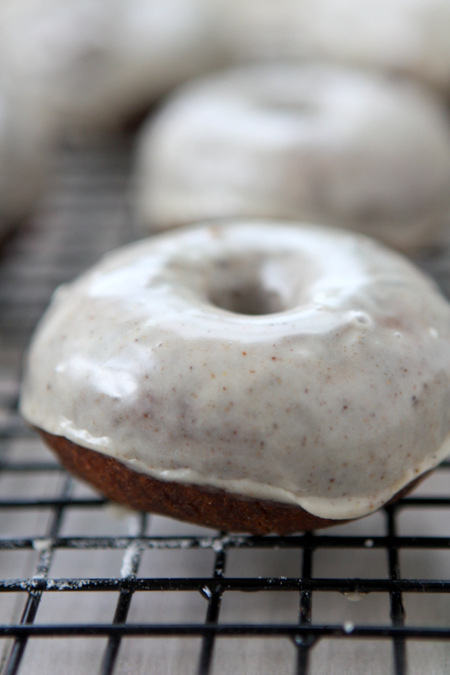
249,376
101,63
401,36
317,142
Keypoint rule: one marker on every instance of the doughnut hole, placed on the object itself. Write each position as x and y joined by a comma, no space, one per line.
254,286
250,299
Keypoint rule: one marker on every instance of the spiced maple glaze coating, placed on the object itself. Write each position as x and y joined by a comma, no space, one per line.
332,391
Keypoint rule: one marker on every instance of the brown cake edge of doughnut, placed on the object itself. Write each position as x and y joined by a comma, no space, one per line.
209,507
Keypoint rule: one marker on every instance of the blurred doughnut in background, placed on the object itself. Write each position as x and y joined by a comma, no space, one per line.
404,36
26,138
99,63
316,142
365,150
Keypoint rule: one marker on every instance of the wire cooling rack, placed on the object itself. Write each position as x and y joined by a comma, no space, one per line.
87,587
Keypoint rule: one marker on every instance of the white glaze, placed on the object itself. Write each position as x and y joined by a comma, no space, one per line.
335,401
406,36
317,143
99,62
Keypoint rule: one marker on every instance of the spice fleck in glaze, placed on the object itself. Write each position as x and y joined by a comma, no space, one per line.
289,363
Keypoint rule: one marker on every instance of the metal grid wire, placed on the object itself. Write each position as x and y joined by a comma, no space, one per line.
140,593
